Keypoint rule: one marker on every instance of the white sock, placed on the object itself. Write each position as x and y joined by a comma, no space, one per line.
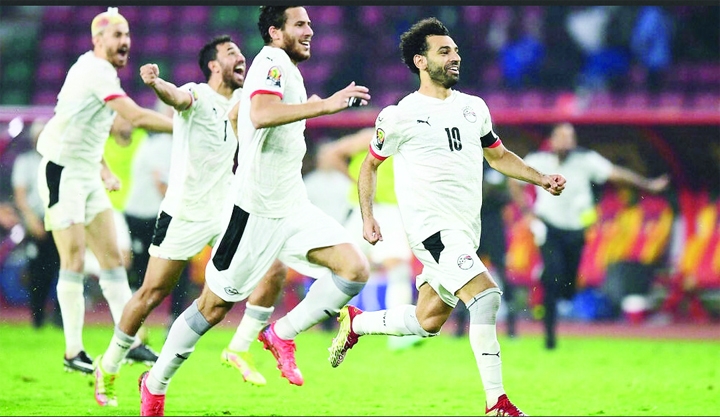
396,321
72,308
117,350
116,290
253,320
180,343
327,295
483,340
399,290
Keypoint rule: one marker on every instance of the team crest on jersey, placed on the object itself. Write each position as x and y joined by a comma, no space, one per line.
465,262
273,76
469,114
379,138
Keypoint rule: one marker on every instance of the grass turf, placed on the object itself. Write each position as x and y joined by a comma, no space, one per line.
584,376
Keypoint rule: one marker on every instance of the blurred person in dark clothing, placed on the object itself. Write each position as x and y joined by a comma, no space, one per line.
559,224
651,43
43,259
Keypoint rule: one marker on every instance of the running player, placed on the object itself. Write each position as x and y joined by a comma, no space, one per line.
439,137
201,171
269,215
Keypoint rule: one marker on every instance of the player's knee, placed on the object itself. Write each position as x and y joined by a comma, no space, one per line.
430,326
358,269
152,295
73,260
277,273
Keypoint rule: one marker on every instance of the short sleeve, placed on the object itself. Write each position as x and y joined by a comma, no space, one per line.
488,138
104,83
599,167
194,92
272,72
387,136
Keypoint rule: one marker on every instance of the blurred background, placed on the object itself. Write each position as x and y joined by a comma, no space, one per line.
641,84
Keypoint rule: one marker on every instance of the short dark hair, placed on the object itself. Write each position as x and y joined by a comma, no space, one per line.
209,53
271,16
414,40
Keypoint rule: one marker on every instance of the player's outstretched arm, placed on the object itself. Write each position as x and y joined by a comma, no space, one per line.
268,110
507,162
367,184
626,176
166,91
139,116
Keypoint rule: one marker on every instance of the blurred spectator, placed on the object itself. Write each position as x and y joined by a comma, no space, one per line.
604,62
120,148
559,223
651,41
563,58
43,260
522,54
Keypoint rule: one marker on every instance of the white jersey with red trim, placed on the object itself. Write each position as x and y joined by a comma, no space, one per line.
76,134
438,147
268,179
202,155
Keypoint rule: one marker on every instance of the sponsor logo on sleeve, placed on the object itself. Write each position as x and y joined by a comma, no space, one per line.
379,138
274,76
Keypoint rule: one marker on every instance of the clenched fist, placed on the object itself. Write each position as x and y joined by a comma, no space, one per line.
150,73
554,183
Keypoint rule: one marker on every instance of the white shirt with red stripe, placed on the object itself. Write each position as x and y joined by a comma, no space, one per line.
268,179
202,155
76,134
438,147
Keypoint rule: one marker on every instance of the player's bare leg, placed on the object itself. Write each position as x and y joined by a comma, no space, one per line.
258,309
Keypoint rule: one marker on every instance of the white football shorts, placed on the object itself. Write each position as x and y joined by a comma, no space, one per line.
71,194
249,244
449,261
179,240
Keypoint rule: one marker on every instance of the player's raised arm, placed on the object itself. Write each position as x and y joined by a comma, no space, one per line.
166,91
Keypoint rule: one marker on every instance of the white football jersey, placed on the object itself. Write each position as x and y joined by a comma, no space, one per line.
268,179
77,132
438,148
574,208
202,155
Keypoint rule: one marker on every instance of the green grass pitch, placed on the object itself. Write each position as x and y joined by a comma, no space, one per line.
584,376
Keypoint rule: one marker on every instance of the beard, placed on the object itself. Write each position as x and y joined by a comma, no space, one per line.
563,154
293,50
117,60
230,80
439,75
